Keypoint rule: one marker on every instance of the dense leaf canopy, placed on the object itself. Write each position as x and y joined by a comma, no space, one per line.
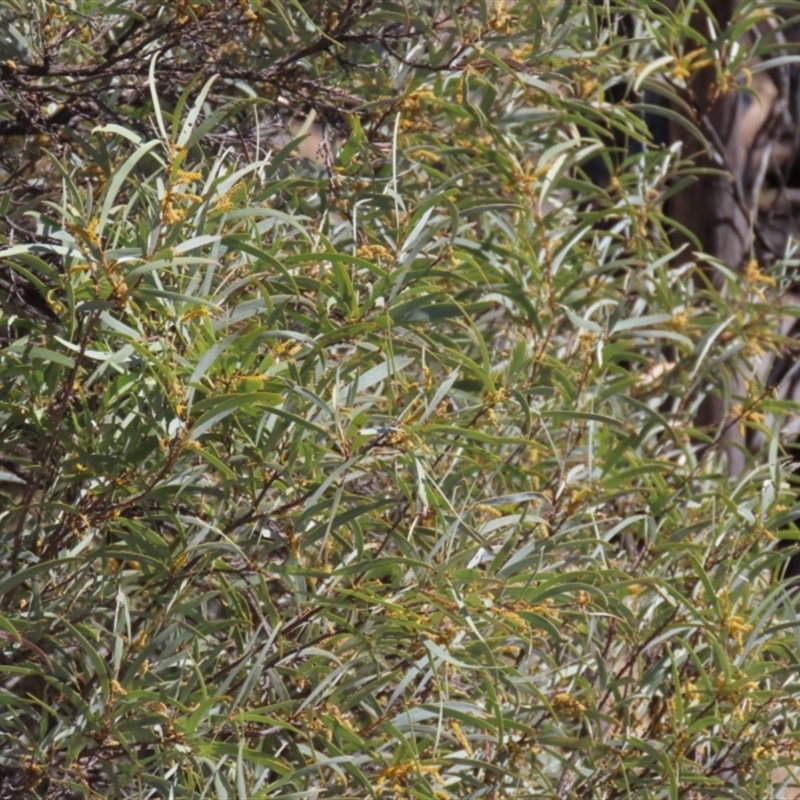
349,387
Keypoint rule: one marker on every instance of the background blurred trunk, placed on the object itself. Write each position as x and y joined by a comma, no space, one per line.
713,207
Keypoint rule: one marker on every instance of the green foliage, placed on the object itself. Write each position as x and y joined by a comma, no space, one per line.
377,475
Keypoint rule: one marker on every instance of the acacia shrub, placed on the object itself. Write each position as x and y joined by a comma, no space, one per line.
379,476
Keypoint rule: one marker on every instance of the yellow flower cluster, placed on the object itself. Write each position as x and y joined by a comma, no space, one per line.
565,705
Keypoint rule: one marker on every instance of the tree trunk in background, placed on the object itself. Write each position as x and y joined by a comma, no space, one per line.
713,207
